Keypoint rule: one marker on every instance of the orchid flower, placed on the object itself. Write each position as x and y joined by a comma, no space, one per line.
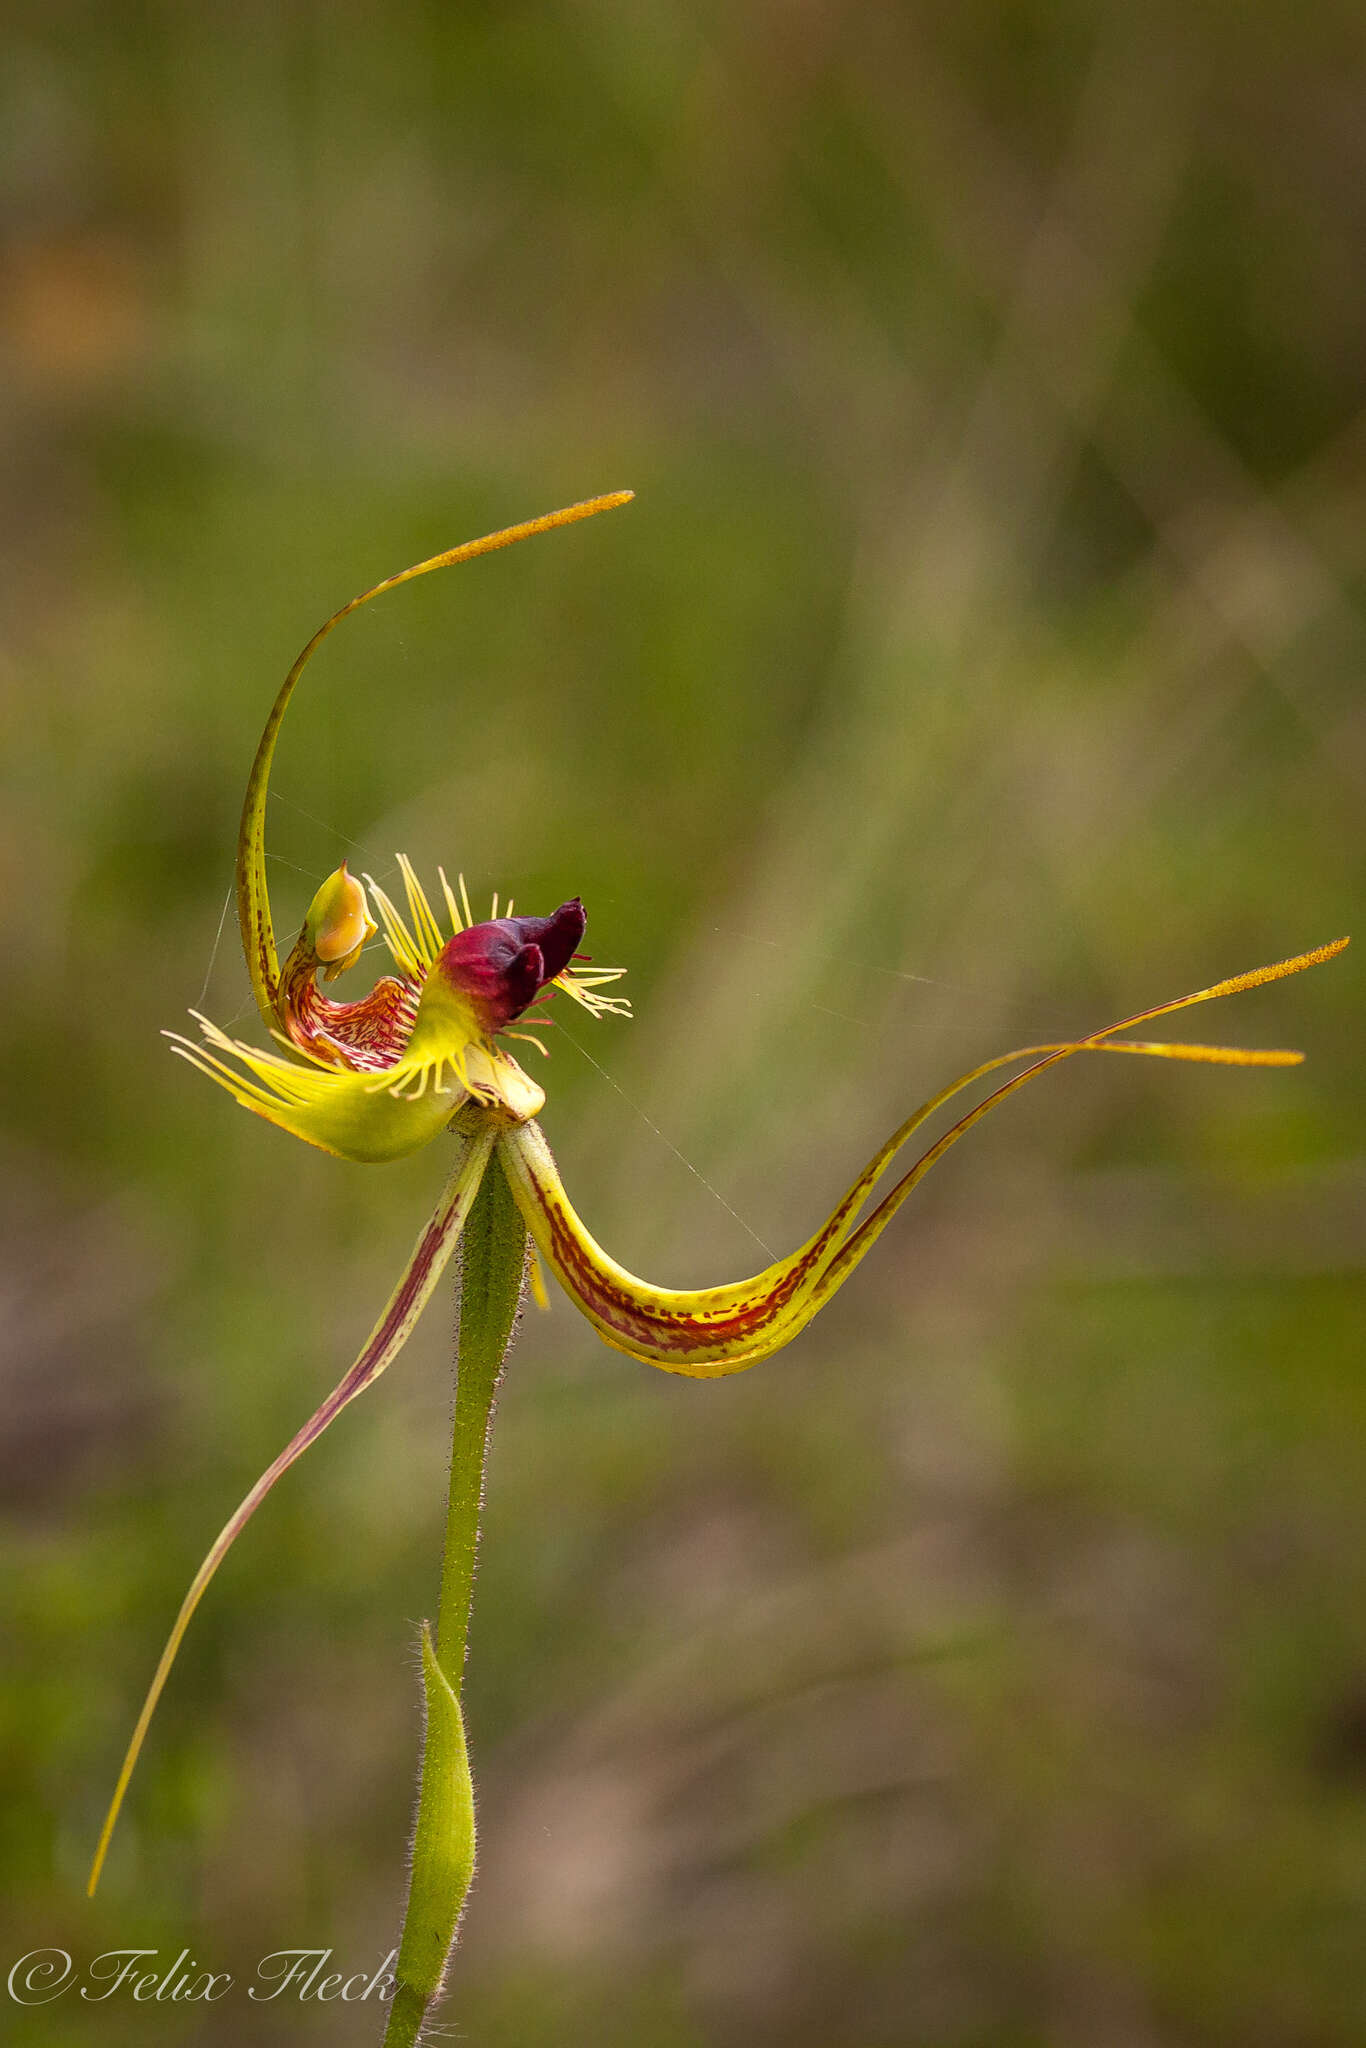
428,1052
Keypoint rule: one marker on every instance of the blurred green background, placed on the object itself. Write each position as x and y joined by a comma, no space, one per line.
981,659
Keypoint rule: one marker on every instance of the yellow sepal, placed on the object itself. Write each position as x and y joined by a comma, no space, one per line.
708,1332
253,894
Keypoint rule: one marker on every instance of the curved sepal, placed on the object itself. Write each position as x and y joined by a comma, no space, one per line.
708,1332
253,894
382,1346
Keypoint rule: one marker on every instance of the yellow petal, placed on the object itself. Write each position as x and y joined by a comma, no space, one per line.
708,1332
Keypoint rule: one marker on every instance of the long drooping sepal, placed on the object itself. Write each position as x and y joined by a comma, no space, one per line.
382,1346
253,896
718,1330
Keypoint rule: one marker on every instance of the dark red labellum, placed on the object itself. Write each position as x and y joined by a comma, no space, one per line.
503,965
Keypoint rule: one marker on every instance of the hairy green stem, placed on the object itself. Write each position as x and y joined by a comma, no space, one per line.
492,1274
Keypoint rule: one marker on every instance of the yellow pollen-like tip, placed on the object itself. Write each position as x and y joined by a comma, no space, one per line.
338,921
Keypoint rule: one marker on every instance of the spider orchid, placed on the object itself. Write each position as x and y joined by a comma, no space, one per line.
427,1051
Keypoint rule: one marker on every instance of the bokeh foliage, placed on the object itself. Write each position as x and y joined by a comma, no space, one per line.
982,658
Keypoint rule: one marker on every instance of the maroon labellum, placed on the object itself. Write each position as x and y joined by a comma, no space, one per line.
503,965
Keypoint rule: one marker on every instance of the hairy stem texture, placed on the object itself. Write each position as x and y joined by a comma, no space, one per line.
493,1259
